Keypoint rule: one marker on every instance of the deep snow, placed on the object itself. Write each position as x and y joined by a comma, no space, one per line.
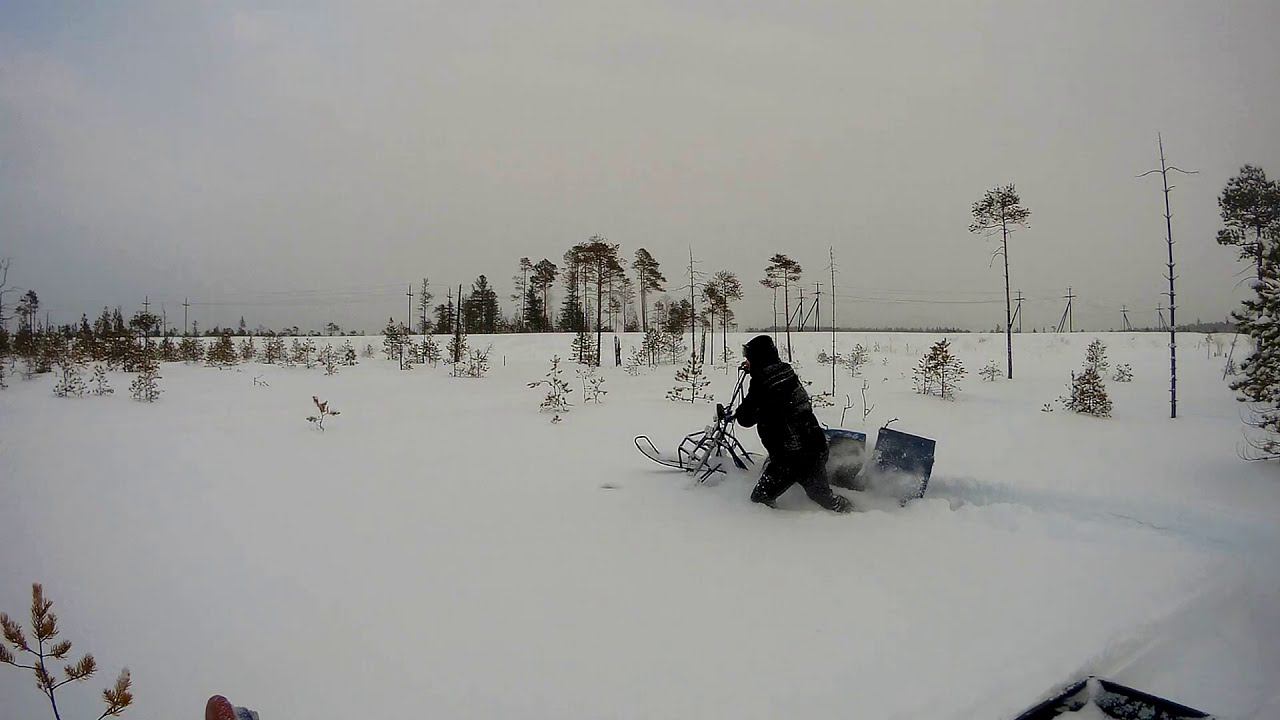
442,550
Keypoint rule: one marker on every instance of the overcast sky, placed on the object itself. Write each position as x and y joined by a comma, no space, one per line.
299,162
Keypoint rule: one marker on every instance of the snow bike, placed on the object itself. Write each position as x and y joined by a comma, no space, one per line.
704,453
900,465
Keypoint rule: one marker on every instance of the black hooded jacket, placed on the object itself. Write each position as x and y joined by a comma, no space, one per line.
777,404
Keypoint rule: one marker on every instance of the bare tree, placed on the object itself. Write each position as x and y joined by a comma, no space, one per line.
1164,170
1001,209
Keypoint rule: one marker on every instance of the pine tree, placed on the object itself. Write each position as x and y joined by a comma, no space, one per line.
100,385
349,353
1000,209
1259,380
430,350
328,358
557,391
70,383
557,398
191,350
1088,394
939,372
637,359
273,350
392,340
990,372
169,350
457,347
248,351
424,308
145,387
1096,357
592,385
691,384
584,349
223,352
45,653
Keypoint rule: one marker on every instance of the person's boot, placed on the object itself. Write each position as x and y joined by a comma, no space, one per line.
841,504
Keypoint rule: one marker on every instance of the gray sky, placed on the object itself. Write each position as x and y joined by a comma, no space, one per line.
332,152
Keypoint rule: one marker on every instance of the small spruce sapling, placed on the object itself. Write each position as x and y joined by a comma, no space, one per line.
856,359
248,351
477,363
348,354
556,400
45,650
691,384
222,353
1124,373
368,350
322,411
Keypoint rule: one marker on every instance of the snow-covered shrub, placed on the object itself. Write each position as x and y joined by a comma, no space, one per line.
348,354
146,387
939,372
1047,407
248,350
100,385
990,372
1088,394
592,385
322,411
474,365
823,399
557,398
368,351
45,649
691,384
1124,373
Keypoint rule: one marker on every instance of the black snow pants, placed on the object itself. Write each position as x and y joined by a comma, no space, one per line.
809,470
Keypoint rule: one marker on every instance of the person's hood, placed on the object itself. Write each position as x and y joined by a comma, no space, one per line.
761,352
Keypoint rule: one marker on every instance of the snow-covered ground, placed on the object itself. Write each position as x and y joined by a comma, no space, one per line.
442,550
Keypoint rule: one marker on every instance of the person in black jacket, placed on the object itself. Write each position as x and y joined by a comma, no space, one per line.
778,406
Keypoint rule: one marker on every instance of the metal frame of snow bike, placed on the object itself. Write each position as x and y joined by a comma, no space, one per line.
701,453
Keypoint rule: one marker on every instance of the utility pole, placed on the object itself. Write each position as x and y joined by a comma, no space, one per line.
1173,323
409,316
800,310
1017,311
1160,323
1124,313
186,305
1067,316
831,253
817,306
